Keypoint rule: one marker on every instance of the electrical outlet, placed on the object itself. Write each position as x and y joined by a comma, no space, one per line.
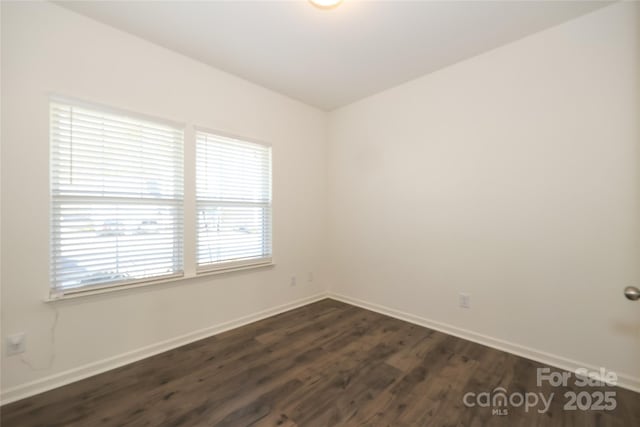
310,277
16,344
464,300
293,281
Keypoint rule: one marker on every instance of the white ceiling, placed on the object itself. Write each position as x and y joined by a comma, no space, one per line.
330,58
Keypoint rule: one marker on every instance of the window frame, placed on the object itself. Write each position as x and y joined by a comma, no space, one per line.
190,268
56,292
233,265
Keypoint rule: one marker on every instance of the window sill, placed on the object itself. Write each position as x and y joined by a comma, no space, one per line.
171,280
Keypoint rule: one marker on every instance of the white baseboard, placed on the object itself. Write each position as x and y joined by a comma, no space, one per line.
72,375
625,381
63,378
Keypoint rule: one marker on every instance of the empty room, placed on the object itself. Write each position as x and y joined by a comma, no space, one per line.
316,213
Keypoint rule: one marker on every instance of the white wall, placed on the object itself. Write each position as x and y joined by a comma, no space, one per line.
512,176
45,49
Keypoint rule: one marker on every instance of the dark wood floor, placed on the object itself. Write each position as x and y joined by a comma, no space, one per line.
326,364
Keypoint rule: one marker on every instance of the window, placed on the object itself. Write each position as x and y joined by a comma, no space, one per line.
233,196
116,198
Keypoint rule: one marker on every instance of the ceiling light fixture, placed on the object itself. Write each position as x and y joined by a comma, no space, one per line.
325,4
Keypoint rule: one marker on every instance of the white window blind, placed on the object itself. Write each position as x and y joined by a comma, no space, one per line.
233,193
116,198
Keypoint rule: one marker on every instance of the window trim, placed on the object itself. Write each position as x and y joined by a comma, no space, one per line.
198,128
54,97
177,280
221,267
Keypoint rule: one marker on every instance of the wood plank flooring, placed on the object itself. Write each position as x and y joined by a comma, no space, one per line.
325,364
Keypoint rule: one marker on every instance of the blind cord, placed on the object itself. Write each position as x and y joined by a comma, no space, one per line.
52,357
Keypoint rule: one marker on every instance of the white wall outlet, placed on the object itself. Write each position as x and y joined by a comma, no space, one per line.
16,344
310,276
293,281
464,300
